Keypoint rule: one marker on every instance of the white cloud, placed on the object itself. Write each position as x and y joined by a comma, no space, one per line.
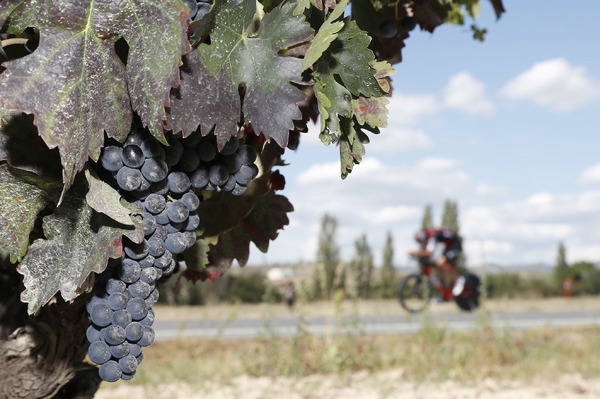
553,83
392,140
408,109
437,164
490,190
528,231
465,93
590,175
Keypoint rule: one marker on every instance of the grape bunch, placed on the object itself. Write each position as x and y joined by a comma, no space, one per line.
165,182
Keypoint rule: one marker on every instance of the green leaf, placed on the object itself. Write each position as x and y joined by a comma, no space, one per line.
334,100
372,110
197,256
105,199
250,59
349,58
6,8
79,241
76,85
204,99
351,148
20,203
327,33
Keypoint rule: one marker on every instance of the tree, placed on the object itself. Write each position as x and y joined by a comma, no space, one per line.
362,268
561,269
387,268
427,221
450,216
450,221
328,254
161,93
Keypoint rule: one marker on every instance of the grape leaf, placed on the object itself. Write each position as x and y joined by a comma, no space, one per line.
6,8
327,33
20,203
349,58
351,148
76,85
105,199
79,241
262,224
204,99
333,100
223,211
372,110
197,256
250,59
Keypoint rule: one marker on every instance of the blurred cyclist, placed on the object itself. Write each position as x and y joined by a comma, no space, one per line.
442,246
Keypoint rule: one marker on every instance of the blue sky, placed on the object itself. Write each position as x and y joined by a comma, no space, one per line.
508,128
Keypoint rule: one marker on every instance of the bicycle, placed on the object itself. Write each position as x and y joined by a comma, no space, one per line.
416,290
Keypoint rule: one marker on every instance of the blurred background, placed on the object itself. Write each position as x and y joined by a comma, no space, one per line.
497,140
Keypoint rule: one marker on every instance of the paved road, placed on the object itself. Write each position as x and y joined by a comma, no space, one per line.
383,324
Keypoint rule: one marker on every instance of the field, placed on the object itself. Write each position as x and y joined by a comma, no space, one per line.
433,363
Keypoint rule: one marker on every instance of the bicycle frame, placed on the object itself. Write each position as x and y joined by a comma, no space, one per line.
428,269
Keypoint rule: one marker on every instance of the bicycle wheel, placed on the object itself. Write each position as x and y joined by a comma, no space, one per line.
469,299
414,292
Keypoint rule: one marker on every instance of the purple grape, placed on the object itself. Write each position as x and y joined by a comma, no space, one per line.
134,331
99,352
152,149
128,364
129,271
176,243
120,351
177,212
149,223
154,170
92,334
147,336
110,371
140,289
190,160
192,222
148,261
114,285
199,177
117,301
232,162
129,179
111,158
136,251
218,174
207,151
244,175
247,154
132,156
173,152
231,146
137,308
113,334
101,314
149,319
121,318
178,182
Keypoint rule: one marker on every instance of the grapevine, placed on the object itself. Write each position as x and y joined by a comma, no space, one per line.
140,135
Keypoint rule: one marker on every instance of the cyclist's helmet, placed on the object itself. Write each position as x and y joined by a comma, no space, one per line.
421,236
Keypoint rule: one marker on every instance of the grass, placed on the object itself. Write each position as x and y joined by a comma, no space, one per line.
433,354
